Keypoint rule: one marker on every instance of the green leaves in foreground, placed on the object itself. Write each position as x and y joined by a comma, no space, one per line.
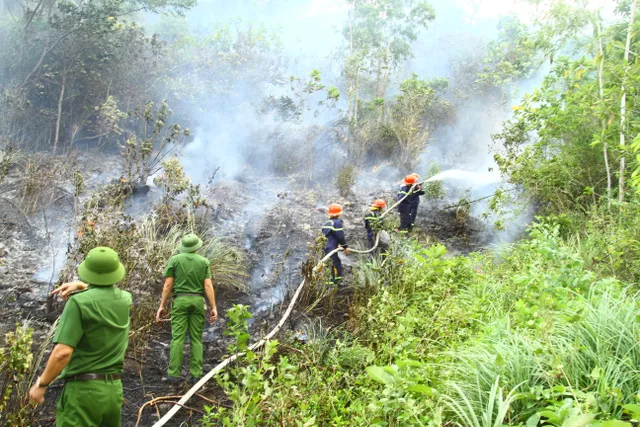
401,376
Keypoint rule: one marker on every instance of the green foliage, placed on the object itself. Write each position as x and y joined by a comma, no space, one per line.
109,118
494,411
379,35
144,248
565,141
238,327
71,66
256,385
221,63
154,139
526,334
433,190
173,181
511,57
346,179
16,365
176,207
399,128
406,119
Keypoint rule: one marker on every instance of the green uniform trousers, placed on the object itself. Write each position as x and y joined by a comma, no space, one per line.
95,403
187,313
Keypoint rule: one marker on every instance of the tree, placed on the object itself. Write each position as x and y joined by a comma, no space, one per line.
222,65
413,114
623,99
512,56
379,34
63,60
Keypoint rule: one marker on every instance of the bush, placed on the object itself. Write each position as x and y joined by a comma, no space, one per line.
17,372
346,179
433,190
255,384
521,335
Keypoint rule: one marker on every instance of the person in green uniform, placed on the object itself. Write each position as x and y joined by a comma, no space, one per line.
188,279
91,341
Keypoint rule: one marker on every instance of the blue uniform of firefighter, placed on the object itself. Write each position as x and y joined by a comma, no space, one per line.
333,230
372,221
408,208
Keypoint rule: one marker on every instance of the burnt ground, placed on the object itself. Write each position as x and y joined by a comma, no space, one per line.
272,222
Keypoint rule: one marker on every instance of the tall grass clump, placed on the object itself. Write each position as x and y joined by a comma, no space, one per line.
590,356
494,407
598,349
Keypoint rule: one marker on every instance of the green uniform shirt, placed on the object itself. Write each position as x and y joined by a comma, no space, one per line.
188,271
96,324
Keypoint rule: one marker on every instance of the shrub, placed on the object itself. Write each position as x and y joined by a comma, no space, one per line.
151,142
345,180
433,190
18,366
254,385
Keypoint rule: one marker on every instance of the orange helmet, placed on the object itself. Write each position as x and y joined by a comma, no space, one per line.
381,204
410,180
335,210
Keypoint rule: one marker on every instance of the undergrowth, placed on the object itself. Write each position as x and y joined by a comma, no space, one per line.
541,332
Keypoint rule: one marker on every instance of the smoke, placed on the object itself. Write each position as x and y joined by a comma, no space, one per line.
272,46
310,36
242,141
239,141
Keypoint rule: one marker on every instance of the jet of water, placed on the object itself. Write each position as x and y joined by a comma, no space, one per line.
474,179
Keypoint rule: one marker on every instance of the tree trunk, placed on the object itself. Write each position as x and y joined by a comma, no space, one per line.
357,96
351,95
378,77
623,101
604,120
59,118
387,72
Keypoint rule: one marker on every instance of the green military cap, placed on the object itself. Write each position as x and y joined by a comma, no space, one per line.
190,243
101,267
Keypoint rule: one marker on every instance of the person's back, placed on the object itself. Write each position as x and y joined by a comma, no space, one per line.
91,341
189,271
409,197
333,230
188,280
373,220
104,315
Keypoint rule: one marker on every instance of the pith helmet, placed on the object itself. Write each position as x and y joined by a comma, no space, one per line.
190,243
101,267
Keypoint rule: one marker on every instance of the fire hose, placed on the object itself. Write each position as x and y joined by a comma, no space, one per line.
185,398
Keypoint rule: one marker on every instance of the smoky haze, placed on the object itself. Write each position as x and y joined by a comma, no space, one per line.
233,62
244,142
308,35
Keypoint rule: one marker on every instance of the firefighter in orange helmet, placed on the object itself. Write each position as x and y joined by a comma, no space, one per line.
333,230
373,222
410,195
